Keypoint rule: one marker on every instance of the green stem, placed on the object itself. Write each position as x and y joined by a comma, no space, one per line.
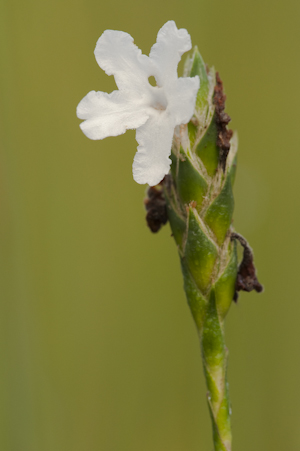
215,355
210,327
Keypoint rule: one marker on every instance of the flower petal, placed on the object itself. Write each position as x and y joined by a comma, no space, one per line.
151,162
110,114
181,96
117,55
170,44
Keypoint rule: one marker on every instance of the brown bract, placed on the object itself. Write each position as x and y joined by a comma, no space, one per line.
155,204
222,119
246,278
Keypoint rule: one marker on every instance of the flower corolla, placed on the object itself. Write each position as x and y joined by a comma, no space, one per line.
153,111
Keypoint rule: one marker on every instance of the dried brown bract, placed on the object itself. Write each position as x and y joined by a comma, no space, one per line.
246,277
155,204
222,120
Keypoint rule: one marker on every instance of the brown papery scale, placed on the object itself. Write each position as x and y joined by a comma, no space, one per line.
155,205
222,120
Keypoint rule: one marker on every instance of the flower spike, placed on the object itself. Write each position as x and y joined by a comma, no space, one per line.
181,125
154,111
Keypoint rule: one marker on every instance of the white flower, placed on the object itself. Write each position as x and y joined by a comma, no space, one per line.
152,111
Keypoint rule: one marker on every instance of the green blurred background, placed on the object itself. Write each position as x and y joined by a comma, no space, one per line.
98,347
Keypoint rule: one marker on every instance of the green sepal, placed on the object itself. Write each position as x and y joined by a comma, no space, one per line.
219,214
177,222
207,149
192,132
173,158
178,225
200,252
198,67
213,348
190,184
225,286
196,301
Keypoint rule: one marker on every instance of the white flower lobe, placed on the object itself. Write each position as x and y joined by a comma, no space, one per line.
153,111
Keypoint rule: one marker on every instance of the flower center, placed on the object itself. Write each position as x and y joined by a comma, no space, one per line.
158,100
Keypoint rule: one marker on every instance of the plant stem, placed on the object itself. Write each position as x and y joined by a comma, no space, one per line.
210,327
